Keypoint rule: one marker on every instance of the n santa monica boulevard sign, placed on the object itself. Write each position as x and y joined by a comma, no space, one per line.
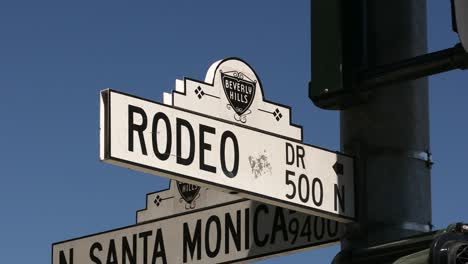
189,224
222,134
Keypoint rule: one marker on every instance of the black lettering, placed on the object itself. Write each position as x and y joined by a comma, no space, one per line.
92,255
257,240
212,253
300,155
306,229
167,152
145,236
126,252
224,137
319,235
159,251
112,253
180,160
290,182
289,149
138,128
340,197
191,243
314,192
247,228
279,224
205,146
334,232
235,232
63,259
303,178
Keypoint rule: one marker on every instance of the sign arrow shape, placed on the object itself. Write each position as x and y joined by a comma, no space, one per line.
338,168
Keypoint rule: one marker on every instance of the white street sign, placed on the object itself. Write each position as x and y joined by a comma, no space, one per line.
191,228
222,134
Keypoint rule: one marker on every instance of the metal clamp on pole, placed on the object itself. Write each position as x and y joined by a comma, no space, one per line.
424,156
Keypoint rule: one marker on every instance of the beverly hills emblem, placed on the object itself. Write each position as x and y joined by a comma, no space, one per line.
240,92
232,91
189,193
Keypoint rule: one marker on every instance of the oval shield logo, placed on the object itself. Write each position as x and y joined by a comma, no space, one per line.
188,192
239,90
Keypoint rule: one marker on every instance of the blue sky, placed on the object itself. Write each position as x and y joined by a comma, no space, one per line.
55,57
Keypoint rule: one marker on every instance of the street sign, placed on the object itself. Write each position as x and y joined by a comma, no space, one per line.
461,18
213,227
222,134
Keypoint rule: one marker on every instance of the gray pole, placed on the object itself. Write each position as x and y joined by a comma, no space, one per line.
389,132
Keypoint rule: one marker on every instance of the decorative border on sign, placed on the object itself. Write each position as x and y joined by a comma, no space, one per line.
276,114
262,97
200,93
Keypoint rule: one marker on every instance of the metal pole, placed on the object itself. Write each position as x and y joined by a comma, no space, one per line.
389,134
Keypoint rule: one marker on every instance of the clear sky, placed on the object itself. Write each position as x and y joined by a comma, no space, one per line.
55,57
